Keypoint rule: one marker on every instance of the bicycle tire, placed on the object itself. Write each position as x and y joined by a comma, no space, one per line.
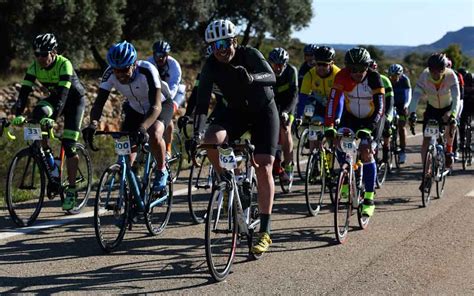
156,220
315,179
342,207
83,179
427,179
177,152
219,221
302,154
200,183
109,201
382,169
24,210
440,171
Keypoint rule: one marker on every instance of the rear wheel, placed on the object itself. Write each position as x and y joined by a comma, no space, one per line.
83,179
382,168
158,206
25,188
111,209
200,184
342,206
315,183
220,234
427,179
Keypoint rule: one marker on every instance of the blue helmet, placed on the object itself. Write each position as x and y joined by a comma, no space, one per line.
309,48
121,55
162,47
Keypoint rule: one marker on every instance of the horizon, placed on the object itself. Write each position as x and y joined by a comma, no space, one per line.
414,16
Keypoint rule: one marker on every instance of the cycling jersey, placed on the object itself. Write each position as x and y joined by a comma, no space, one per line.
137,92
61,81
220,101
388,104
170,72
286,90
362,100
402,92
439,94
304,68
317,87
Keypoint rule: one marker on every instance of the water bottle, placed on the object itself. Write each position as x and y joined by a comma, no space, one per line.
53,163
439,151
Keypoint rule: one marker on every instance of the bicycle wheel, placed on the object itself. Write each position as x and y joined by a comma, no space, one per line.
466,156
158,207
199,186
302,154
382,168
440,171
342,207
314,183
220,234
25,188
427,178
395,149
177,152
111,209
83,179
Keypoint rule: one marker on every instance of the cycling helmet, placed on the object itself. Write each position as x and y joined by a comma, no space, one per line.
278,56
357,56
161,46
324,54
220,29
462,71
121,55
437,61
373,65
45,42
309,48
395,69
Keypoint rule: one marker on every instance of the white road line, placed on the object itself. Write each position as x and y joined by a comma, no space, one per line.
61,221
470,193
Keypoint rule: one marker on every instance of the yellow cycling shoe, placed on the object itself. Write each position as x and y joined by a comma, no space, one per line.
263,244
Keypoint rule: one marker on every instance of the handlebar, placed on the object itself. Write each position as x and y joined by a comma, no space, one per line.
238,147
115,135
6,124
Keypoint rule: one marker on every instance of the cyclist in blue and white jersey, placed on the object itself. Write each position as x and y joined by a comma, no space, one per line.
148,108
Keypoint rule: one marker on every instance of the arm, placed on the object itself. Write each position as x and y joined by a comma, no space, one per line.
375,82
96,111
418,93
154,95
175,77
334,104
203,98
456,98
293,91
263,75
25,90
305,91
65,75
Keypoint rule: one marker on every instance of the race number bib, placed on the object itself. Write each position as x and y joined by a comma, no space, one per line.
32,133
431,131
122,146
313,132
227,158
309,110
348,145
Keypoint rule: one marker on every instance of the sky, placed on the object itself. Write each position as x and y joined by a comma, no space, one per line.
385,22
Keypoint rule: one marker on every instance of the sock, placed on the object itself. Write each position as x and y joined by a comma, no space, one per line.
265,223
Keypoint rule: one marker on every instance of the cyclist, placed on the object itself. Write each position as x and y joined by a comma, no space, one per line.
468,104
388,106
170,72
147,111
308,63
362,108
67,97
439,86
402,98
461,104
286,96
245,78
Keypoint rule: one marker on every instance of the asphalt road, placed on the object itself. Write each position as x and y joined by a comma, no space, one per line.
406,249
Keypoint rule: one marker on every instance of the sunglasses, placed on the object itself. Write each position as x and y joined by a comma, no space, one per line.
434,70
221,44
122,70
322,64
42,54
160,55
358,68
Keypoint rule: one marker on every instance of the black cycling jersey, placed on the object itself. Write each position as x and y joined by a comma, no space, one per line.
286,90
304,68
239,95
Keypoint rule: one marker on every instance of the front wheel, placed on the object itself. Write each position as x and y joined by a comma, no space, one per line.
315,183
441,168
427,178
342,206
382,169
220,234
111,209
200,184
25,188
158,207
176,159
302,154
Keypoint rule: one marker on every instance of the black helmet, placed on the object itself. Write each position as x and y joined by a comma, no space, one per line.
278,56
45,42
438,61
357,56
463,71
161,47
324,54
309,48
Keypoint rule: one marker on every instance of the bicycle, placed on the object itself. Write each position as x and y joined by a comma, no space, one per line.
123,196
319,170
394,151
466,143
303,150
175,160
232,213
434,165
350,174
32,166
285,183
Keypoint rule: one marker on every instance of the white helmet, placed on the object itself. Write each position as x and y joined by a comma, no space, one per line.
220,29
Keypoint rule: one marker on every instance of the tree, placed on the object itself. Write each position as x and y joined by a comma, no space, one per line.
458,59
375,52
